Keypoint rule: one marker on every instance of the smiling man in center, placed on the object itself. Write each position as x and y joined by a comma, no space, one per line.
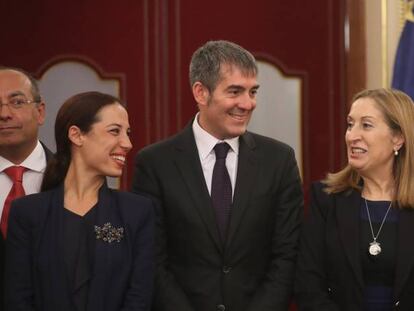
229,202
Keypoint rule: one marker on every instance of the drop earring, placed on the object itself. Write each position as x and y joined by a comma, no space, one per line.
395,152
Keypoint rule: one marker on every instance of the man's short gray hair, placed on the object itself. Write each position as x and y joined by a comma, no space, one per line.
207,60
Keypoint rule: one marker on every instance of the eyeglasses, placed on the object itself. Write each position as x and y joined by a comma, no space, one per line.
17,102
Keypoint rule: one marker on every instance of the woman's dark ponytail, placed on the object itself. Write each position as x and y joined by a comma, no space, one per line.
80,110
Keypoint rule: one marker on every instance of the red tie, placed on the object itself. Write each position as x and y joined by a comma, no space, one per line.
15,173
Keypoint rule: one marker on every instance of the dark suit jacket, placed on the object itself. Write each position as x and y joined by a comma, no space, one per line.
329,272
49,155
122,273
254,269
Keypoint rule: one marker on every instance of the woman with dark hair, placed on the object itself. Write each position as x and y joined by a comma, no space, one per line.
79,245
356,251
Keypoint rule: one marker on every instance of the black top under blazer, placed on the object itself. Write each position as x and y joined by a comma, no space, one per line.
254,269
122,273
329,270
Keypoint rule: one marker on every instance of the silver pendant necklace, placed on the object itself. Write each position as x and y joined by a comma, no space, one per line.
374,247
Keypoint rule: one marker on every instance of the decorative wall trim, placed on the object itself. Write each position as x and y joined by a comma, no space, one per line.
303,161
104,75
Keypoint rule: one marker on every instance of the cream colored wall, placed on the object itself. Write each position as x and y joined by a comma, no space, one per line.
384,22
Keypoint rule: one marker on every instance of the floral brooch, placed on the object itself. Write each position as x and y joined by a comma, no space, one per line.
108,233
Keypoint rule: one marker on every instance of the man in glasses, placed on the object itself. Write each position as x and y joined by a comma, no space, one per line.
22,157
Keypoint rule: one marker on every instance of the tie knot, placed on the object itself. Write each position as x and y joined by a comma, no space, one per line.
221,150
15,173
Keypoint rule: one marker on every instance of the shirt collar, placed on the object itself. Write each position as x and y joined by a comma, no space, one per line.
205,141
36,161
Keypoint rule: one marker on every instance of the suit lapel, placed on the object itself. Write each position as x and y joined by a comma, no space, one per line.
51,246
246,178
405,250
48,153
55,224
188,163
348,207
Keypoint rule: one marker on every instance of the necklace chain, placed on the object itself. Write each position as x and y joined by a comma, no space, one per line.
374,237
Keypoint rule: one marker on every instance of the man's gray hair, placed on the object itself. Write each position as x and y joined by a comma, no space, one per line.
207,60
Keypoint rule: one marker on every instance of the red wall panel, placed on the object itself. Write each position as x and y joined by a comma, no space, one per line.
150,42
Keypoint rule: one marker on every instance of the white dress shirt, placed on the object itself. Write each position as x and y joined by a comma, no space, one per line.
35,164
205,144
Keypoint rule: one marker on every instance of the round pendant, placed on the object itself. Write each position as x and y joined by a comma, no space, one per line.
374,248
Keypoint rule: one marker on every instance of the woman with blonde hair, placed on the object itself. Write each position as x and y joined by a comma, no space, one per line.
356,250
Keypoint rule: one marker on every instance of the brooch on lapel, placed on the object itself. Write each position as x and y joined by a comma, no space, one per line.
108,233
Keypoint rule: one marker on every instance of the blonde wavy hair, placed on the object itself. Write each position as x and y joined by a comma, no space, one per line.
398,111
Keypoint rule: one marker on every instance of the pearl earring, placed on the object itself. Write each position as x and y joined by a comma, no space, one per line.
395,152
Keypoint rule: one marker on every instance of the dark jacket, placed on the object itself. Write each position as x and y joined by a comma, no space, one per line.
254,268
122,273
49,155
329,271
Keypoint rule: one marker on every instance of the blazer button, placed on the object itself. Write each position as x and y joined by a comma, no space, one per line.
226,269
220,308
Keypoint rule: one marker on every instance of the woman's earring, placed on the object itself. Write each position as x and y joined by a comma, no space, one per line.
395,152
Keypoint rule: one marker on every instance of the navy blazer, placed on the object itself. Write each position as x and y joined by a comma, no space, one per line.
122,273
329,269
